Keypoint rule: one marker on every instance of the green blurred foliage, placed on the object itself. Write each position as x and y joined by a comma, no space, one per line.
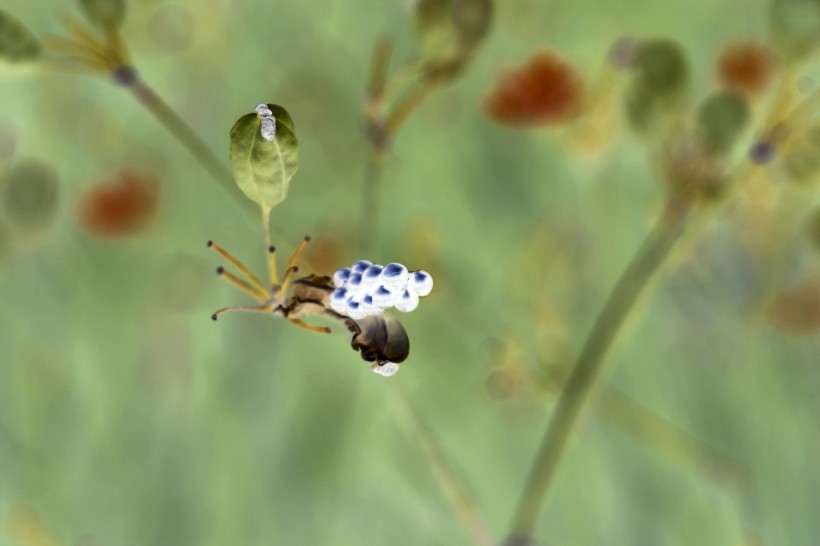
128,417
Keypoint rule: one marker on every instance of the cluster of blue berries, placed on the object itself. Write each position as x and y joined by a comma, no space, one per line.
367,289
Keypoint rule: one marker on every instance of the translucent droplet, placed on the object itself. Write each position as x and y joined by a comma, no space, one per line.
387,369
421,283
407,302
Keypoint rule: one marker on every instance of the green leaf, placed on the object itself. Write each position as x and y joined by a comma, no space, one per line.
18,46
263,168
104,14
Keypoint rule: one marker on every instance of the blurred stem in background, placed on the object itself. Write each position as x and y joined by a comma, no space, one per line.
448,478
585,377
675,231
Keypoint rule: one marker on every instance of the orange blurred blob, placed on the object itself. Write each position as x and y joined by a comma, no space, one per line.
122,207
797,309
544,91
746,66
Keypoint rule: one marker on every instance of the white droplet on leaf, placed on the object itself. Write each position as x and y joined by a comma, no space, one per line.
354,284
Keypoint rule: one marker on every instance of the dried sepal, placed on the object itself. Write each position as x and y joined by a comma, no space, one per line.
18,46
263,168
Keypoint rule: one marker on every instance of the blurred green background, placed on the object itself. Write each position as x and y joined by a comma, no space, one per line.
128,417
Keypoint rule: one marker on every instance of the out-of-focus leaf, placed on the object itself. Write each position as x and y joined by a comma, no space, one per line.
18,46
263,168
802,162
104,14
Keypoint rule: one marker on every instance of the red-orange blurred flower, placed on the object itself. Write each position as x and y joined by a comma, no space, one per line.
121,207
746,66
544,91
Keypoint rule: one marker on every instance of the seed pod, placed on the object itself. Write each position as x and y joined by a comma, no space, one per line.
720,120
30,194
263,168
18,46
104,14
795,27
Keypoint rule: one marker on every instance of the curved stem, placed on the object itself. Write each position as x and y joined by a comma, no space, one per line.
174,123
370,217
586,374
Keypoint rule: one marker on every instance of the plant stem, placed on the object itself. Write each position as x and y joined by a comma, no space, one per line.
586,374
448,478
369,221
174,123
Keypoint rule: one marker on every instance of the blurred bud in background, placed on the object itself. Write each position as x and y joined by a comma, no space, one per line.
720,120
25,528
659,83
813,228
746,66
450,31
801,161
30,195
121,207
796,309
546,90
